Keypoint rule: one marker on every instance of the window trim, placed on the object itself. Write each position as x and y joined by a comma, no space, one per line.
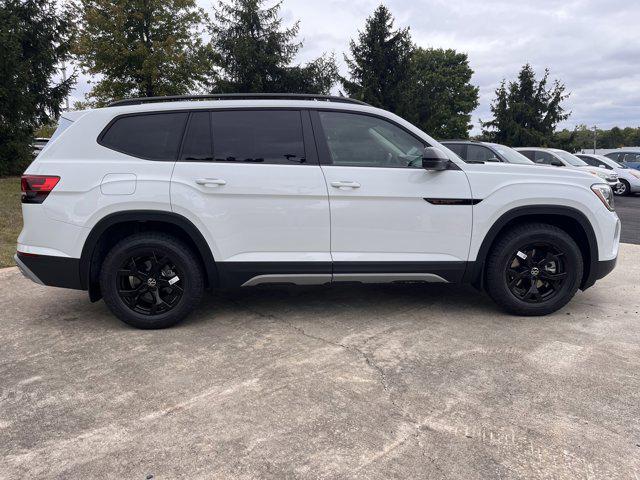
184,136
308,138
104,131
321,140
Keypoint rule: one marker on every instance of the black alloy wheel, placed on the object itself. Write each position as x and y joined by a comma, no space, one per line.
536,272
150,284
151,280
533,269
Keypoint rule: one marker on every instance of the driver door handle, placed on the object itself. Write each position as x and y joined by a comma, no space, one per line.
210,182
345,184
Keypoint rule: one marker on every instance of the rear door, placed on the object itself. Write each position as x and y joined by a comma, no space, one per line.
390,218
250,180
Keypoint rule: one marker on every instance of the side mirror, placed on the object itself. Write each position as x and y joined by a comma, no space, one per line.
434,159
556,163
604,166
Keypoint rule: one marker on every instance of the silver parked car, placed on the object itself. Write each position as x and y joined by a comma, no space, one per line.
629,178
561,158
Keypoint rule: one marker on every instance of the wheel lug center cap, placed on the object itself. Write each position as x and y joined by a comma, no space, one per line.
151,282
535,271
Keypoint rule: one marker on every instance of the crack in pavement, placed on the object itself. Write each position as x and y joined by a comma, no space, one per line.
369,361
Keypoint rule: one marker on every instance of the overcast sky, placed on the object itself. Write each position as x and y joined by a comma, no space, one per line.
593,46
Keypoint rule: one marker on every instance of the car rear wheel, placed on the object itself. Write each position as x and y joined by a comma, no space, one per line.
534,269
623,188
151,280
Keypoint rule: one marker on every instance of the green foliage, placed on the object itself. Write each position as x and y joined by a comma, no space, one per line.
526,111
440,97
380,63
35,36
581,138
46,130
254,52
142,48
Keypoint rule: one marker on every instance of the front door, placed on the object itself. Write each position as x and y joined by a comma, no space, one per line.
250,180
390,218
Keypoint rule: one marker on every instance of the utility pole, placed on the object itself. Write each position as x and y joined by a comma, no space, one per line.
595,138
64,79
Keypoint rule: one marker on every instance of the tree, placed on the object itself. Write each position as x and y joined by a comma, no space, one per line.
440,97
526,111
142,48
254,53
380,63
36,38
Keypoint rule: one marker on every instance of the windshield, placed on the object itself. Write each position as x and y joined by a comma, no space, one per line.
570,159
511,155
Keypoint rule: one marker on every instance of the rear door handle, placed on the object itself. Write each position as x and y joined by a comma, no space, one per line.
345,184
211,182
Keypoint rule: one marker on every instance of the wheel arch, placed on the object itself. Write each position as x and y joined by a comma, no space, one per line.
116,226
569,219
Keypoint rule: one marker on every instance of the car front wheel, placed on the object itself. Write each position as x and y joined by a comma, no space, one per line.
623,188
151,280
534,269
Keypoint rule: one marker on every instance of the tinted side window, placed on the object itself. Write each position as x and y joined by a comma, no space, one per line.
258,136
457,148
478,153
154,136
197,143
589,160
366,141
614,156
631,157
543,157
528,153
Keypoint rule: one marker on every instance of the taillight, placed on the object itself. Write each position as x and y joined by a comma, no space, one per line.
35,188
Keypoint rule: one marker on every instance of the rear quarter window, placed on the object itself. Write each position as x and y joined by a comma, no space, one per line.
152,136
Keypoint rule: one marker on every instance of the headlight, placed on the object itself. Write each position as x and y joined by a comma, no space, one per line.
605,194
601,175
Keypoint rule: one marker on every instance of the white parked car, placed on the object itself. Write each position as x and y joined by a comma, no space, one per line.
562,158
629,178
148,202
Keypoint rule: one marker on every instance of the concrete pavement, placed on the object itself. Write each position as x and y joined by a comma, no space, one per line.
344,382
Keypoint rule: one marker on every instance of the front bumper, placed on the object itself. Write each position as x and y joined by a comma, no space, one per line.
48,270
598,270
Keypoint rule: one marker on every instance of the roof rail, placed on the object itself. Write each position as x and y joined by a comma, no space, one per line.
236,96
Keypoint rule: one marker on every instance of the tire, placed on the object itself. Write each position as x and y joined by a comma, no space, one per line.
624,189
510,277
131,294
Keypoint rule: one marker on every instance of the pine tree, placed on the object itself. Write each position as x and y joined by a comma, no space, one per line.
36,38
380,63
255,52
440,97
142,48
526,111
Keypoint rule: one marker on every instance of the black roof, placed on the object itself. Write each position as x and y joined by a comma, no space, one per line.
236,96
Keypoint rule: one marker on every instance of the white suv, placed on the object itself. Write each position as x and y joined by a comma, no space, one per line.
148,202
